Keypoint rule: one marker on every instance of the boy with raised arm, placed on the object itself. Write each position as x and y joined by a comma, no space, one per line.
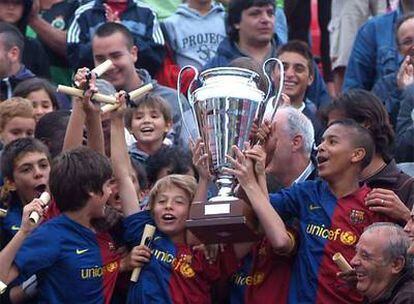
331,213
172,272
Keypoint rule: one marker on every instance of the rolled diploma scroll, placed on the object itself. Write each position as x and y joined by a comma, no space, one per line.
3,213
102,68
79,93
3,287
34,216
132,95
342,263
145,240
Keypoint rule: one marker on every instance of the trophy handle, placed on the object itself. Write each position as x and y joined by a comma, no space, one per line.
279,91
180,102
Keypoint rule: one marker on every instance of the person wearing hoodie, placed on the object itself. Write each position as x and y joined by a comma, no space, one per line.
114,41
12,70
250,30
16,12
195,31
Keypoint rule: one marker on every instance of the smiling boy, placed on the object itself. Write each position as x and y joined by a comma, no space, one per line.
331,214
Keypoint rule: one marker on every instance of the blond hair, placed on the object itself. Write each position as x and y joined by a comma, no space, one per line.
15,107
186,183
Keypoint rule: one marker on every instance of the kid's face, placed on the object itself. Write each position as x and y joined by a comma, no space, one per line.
170,210
11,11
41,102
17,127
336,153
31,175
149,126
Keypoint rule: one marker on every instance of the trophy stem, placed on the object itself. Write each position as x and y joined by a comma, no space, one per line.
225,184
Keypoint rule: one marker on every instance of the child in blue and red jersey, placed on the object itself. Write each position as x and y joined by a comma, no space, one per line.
25,164
172,271
331,213
64,252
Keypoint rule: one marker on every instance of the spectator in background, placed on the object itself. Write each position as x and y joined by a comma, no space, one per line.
404,148
16,12
12,70
194,32
136,16
41,93
375,53
290,141
49,21
250,34
299,15
390,88
163,8
383,266
347,17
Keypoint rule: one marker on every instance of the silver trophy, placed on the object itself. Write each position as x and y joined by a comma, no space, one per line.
225,107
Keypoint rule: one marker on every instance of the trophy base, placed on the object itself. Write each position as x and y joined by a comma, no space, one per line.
225,221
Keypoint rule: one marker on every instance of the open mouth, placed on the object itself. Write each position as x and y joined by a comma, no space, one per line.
289,84
39,189
321,159
168,217
147,130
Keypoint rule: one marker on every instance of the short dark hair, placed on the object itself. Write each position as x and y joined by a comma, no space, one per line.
109,28
253,65
11,37
361,138
366,109
24,88
173,157
17,149
75,174
235,10
51,129
298,47
151,101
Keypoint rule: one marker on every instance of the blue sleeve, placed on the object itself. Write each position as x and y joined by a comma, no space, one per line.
286,202
79,46
360,72
134,226
281,27
317,91
39,251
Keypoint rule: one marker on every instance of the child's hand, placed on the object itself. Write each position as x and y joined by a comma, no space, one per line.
27,225
110,15
211,251
138,256
121,98
243,168
200,159
258,155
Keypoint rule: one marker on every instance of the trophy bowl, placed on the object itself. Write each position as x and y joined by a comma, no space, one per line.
224,107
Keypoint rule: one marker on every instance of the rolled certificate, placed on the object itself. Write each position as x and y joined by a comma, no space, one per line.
102,68
3,212
79,93
142,90
145,240
342,263
3,287
34,216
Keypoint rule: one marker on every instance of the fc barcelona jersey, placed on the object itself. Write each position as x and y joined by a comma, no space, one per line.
175,273
327,225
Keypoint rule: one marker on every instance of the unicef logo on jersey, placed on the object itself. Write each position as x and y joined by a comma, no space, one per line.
59,23
345,237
